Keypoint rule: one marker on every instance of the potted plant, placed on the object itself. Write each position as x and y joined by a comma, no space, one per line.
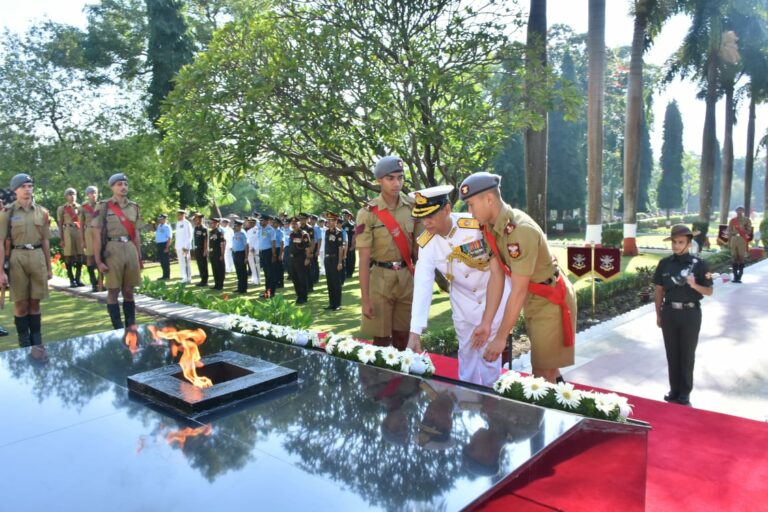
645,282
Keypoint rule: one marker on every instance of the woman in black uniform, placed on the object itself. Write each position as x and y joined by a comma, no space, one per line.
681,280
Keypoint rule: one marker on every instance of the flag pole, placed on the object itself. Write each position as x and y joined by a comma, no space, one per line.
593,281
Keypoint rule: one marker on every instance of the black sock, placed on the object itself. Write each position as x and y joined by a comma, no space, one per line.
22,328
114,315
129,308
92,275
69,272
78,272
34,329
560,380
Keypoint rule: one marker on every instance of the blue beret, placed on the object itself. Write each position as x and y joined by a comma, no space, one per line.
91,188
478,182
388,165
19,180
117,177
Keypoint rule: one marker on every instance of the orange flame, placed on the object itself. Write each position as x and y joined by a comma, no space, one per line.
132,340
185,341
180,436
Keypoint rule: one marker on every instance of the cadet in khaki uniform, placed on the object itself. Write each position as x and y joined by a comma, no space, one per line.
27,225
118,222
68,220
387,254
87,215
739,230
538,286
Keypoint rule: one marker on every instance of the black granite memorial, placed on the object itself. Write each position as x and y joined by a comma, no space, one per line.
343,436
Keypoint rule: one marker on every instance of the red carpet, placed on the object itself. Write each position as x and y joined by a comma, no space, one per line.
697,461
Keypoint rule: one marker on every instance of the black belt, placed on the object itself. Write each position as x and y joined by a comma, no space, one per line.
552,279
392,265
682,305
28,247
119,239
330,256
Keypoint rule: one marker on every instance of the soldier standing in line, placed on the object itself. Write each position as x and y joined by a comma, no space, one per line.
27,227
239,250
184,237
68,220
6,197
317,238
349,229
301,254
252,233
229,264
117,249
287,230
163,235
538,285
87,214
278,270
739,230
201,248
310,230
385,242
217,245
333,261
267,255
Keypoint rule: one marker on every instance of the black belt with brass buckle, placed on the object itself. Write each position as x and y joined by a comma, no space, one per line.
552,279
28,247
392,265
681,305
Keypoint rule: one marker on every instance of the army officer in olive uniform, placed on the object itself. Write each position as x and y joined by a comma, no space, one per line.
27,225
117,224
384,238
68,220
538,286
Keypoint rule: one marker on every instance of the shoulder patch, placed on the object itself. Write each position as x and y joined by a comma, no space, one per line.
424,238
468,223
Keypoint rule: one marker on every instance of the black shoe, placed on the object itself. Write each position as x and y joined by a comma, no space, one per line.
72,284
201,284
337,308
300,302
328,307
3,331
79,283
94,288
669,397
683,400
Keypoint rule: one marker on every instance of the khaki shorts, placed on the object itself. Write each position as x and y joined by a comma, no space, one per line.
73,245
543,320
29,275
391,293
88,242
738,247
123,263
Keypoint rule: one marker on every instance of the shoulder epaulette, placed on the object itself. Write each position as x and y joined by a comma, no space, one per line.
468,223
424,238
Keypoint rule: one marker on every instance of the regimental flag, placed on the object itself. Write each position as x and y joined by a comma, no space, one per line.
580,260
722,234
607,262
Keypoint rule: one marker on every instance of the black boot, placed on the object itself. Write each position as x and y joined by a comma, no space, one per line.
36,337
741,271
92,276
114,315
129,308
22,328
735,269
78,273
71,277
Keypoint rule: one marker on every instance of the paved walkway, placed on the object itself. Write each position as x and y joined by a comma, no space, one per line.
626,354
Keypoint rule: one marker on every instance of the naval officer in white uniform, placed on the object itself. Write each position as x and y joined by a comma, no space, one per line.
453,244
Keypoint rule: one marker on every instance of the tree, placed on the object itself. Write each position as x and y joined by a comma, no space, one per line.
727,74
509,164
567,167
536,137
646,168
670,193
596,51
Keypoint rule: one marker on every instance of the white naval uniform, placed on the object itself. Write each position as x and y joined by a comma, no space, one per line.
467,293
183,245
253,254
321,253
229,263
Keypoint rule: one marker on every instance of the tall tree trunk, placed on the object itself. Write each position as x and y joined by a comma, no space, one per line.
749,160
727,176
536,140
596,89
708,142
632,129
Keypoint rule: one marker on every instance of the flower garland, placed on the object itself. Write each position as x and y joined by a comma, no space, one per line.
563,396
345,347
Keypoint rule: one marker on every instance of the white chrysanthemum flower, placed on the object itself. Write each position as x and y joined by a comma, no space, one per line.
428,362
391,356
504,385
247,324
605,404
535,388
230,322
566,395
406,360
346,345
367,354
625,408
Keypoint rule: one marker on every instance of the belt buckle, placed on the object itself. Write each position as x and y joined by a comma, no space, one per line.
29,247
677,305
124,239
396,265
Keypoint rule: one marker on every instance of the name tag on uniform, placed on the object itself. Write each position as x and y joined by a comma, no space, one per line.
16,218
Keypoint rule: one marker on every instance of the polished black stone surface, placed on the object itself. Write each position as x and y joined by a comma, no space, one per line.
345,437
235,377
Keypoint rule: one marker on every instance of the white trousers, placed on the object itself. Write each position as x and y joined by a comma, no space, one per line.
253,261
229,263
185,265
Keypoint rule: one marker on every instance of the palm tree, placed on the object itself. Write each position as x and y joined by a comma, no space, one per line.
595,95
536,138
728,73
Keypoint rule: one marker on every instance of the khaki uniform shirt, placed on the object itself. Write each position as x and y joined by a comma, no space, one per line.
86,223
115,227
64,219
371,232
27,226
522,245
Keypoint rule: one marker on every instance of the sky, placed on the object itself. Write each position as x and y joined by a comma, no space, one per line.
17,16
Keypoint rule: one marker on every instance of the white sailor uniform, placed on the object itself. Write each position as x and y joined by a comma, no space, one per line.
463,258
